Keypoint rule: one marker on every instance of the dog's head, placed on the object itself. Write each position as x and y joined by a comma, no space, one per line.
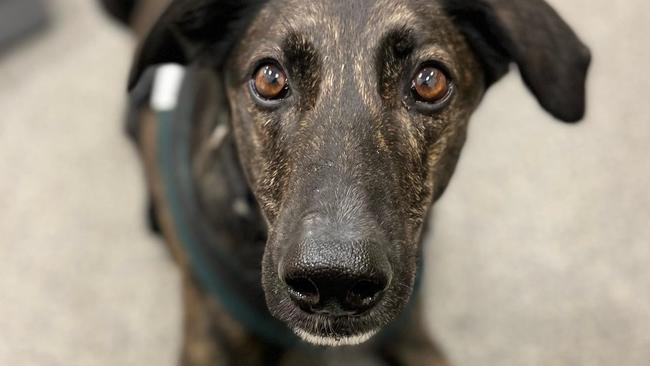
349,117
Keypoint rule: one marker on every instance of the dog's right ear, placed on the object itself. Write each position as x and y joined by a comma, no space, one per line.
192,30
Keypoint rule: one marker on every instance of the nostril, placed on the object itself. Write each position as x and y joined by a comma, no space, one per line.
303,290
365,293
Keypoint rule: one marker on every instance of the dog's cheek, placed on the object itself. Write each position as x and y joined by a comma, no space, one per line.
242,126
446,132
407,141
273,165
255,148
443,155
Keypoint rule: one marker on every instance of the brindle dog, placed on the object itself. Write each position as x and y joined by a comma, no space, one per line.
347,120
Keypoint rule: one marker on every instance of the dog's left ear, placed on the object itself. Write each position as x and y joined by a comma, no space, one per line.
192,30
552,60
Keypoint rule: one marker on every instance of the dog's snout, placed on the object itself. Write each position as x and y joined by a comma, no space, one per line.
336,277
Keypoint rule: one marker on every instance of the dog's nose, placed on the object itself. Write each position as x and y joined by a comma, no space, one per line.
336,278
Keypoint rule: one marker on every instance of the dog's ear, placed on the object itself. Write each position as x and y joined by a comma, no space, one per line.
189,30
552,60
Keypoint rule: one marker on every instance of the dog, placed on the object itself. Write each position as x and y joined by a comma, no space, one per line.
320,134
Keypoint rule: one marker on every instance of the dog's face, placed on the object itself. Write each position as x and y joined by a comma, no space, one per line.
349,118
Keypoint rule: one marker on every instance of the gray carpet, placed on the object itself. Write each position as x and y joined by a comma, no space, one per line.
541,249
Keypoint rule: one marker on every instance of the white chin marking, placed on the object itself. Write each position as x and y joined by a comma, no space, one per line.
333,341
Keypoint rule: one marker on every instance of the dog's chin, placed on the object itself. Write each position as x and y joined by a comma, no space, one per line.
333,331
333,341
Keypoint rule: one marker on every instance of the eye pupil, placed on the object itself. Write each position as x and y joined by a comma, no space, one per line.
270,82
430,84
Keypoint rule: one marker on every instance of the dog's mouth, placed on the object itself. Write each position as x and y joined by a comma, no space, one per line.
322,329
333,331
335,340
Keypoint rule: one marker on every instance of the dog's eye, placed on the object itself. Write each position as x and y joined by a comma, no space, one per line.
430,85
270,82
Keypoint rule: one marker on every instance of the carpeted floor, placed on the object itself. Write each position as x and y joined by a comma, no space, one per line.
541,249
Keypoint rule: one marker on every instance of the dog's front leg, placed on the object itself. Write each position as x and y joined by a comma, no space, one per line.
212,338
412,345
200,348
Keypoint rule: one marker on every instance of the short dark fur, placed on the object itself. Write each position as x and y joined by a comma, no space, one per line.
344,171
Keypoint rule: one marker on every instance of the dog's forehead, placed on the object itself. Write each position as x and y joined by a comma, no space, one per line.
359,17
343,25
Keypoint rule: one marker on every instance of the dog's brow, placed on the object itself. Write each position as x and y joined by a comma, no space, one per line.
438,53
400,13
303,62
400,40
298,45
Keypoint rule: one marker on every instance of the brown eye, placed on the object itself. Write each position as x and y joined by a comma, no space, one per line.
430,84
270,82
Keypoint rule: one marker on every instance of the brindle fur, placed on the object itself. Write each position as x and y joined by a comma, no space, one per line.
345,143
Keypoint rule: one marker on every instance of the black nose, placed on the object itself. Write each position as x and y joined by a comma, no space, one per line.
336,278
